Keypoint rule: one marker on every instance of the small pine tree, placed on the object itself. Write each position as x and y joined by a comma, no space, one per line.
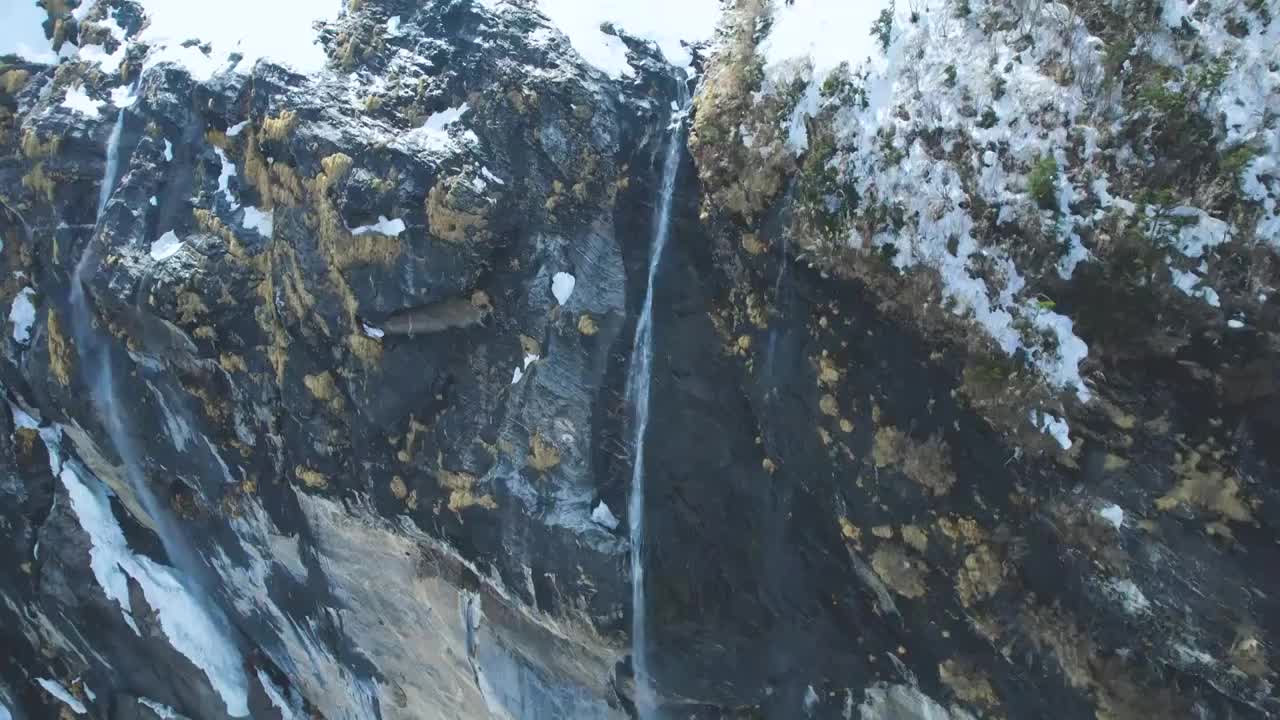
1041,181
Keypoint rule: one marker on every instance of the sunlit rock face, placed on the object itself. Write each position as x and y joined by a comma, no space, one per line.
322,333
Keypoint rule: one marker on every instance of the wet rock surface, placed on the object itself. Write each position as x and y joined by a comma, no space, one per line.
385,522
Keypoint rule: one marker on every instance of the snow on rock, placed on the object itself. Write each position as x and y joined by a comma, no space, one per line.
168,151
384,226
23,315
1113,514
227,172
238,128
281,31
434,135
828,33
1054,427
1130,595
371,330
162,711
165,246
276,696
189,627
123,97
581,20
562,284
77,100
602,515
258,221
54,688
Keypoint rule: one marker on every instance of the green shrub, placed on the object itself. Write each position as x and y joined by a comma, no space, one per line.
1234,161
950,72
1041,182
882,28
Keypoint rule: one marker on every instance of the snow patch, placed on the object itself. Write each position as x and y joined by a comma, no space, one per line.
79,101
227,172
162,711
391,228
670,24
1053,426
826,32
238,128
258,221
434,135
1113,514
168,151
23,315
55,689
602,515
562,284
371,330
123,97
188,627
1130,595
276,696
165,246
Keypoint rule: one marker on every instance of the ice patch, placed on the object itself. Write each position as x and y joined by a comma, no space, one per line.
77,100
1113,514
23,315
166,246
602,515
258,221
562,284
384,226
55,689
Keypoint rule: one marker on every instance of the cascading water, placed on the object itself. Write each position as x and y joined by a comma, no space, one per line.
95,363
637,393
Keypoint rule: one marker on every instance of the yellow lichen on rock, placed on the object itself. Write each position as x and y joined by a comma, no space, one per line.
1204,485
968,683
280,126
449,222
461,488
587,325
543,455
901,572
60,350
927,463
311,478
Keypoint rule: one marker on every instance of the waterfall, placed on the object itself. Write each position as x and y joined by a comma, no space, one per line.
637,394
93,349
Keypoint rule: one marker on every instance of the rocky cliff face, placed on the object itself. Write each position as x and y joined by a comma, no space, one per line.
316,380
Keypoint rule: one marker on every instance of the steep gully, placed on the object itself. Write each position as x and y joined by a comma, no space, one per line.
95,360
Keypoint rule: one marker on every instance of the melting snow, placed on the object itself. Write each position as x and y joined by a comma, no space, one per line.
382,227
77,100
261,222
165,247
602,515
188,627
23,315
562,284
55,689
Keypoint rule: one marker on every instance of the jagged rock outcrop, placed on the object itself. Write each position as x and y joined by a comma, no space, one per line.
319,410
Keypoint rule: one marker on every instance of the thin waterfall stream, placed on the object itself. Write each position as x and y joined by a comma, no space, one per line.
99,376
638,393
